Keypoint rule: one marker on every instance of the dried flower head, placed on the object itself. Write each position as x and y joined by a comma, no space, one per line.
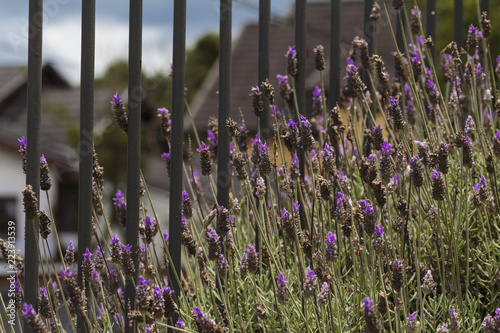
319,58
30,203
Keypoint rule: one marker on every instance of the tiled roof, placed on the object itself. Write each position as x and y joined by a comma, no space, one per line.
60,111
245,58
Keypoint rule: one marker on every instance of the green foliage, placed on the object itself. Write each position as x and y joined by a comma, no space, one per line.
445,19
199,61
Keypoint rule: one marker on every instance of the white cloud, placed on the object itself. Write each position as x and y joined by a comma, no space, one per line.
62,47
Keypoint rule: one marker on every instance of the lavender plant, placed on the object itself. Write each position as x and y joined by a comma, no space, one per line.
394,225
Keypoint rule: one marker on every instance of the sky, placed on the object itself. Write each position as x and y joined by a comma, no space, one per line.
62,30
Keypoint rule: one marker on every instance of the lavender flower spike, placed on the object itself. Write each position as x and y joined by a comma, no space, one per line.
331,246
310,283
372,322
33,319
412,323
282,291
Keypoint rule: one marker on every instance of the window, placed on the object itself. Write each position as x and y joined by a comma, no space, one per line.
7,213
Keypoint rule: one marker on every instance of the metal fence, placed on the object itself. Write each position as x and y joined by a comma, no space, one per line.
31,286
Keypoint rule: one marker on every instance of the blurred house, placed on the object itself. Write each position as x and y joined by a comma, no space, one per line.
59,128
59,135
282,35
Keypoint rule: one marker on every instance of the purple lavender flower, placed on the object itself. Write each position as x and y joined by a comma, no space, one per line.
331,246
355,85
166,157
69,256
180,324
204,322
282,289
472,41
492,324
309,284
497,69
144,295
250,260
165,236
116,100
205,159
416,65
481,192
370,217
212,143
432,92
22,144
126,259
496,144
455,323
428,284
22,150
317,101
116,250
202,147
260,189
283,80
119,113
442,328
378,239
213,241
260,157
372,322
187,206
33,319
306,137
222,266
412,323
294,167
170,306
120,208
43,303
415,20
469,127
386,166
397,274
323,294
438,188
150,229
292,61
393,184
396,113
87,264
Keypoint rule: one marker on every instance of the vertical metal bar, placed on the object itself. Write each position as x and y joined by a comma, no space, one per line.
369,27
300,45
86,139
369,30
133,147
178,67
264,22
485,6
263,74
33,148
335,31
223,173
431,22
458,22
300,83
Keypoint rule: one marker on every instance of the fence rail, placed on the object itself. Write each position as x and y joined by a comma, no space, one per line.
134,115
